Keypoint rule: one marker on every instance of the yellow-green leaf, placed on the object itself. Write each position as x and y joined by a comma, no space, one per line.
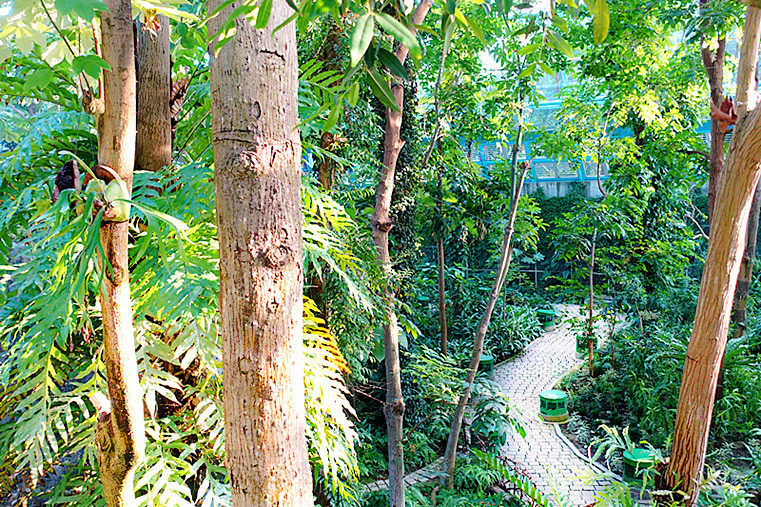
600,21
558,42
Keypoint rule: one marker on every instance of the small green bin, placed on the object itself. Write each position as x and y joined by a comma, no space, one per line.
487,363
553,406
636,461
546,318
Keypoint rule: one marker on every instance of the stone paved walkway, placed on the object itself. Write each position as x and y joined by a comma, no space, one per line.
549,458
552,464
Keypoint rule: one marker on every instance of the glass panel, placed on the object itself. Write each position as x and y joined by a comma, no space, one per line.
545,170
566,170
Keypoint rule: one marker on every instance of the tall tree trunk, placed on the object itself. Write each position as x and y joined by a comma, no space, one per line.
442,272
153,148
483,326
257,155
722,267
330,56
591,324
381,225
713,61
121,431
746,268
442,296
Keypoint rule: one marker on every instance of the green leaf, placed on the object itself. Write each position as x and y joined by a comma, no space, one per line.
39,79
476,30
90,65
600,21
263,16
529,49
401,33
546,68
332,118
361,38
451,6
85,9
380,89
560,23
527,71
392,63
558,42
353,96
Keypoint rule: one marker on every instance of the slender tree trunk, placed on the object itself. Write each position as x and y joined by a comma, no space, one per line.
725,248
442,297
483,326
330,56
381,225
746,269
713,61
591,328
153,148
121,431
257,155
442,272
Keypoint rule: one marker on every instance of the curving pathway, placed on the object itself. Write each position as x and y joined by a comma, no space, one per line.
552,462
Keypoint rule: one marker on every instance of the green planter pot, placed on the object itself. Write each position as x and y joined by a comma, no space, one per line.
487,363
553,406
636,461
546,318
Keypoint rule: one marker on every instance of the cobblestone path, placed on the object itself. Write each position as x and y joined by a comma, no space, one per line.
550,461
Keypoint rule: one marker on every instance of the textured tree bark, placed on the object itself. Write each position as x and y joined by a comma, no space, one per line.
713,61
739,315
381,225
478,342
720,274
257,154
153,148
121,432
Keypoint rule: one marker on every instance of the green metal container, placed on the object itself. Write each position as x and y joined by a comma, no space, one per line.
546,318
487,363
636,461
553,406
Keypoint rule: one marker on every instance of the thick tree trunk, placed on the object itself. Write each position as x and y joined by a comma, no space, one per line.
153,148
483,326
257,155
121,431
381,225
725,249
